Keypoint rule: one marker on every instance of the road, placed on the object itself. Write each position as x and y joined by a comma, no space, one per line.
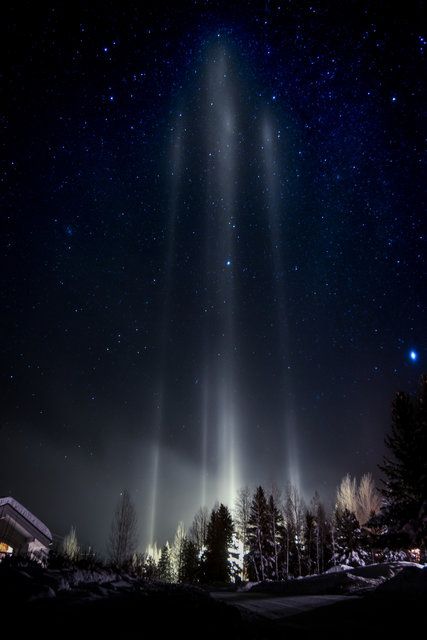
274,607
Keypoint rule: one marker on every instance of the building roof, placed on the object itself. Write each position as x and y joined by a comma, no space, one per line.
31,518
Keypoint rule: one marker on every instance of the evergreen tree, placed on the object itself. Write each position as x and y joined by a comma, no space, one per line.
310,547
322,534
164,568
405,487
139,564
216,562
177,551
258,537
348,540
150,568
190,564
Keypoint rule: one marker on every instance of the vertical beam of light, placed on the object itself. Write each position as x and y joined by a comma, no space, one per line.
155,461
272,169
205,438
221,178
176,153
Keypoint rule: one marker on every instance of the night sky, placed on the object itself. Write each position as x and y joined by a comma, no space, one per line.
213,256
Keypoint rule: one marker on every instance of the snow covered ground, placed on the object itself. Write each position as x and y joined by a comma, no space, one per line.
374,598
378,599
278,607
388,577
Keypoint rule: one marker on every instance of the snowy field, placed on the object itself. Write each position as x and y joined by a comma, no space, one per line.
377,598
278,607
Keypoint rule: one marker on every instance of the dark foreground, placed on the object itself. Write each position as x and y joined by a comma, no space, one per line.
57,603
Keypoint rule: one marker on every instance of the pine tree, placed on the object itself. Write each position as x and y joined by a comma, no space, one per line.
139,564
190,564
310,547
348,540
177,551
258,537
150,568
322,534
405,487
216,561
164,568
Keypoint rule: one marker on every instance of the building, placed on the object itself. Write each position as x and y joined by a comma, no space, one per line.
21,531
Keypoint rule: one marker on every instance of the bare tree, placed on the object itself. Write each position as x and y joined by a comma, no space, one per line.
242,511
241,514
199,528
368,499
70,546
347,495
275,525
124,531
294,527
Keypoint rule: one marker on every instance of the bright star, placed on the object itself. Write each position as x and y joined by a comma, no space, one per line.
228,263
413,356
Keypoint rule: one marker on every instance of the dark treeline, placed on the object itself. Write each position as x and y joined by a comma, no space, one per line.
273,535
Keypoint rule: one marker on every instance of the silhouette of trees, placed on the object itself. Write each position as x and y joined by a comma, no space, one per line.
258,537
217,566
177,554
282,537
241,516
124,531
164,567
405,470
199,528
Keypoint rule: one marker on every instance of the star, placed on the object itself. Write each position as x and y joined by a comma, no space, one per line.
413,355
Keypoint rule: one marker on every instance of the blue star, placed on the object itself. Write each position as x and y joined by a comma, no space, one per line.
413,355
228,263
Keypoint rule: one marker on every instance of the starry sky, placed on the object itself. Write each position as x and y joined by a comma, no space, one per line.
213,256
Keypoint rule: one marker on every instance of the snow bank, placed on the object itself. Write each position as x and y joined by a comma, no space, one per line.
384,577
338,568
